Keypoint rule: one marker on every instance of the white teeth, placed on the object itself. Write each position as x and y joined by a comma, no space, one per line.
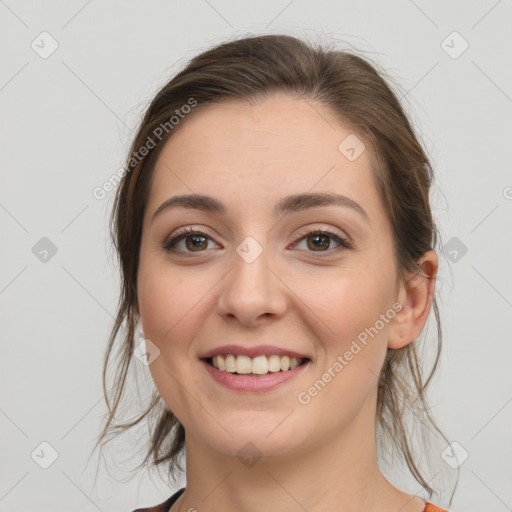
230,363
274,363
260,365
243,364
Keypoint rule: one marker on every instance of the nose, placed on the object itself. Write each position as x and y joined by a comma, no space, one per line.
252,291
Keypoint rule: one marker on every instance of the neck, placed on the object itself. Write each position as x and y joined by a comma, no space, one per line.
341,473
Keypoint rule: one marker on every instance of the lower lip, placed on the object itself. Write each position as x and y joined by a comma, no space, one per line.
268,382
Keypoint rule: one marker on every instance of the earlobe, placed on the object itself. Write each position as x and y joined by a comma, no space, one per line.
415,296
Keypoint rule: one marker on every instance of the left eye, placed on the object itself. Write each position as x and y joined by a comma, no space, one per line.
320,240
196,241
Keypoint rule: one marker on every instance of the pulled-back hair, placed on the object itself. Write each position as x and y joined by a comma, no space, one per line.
251,69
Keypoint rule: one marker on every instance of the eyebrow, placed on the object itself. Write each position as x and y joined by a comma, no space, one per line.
288,204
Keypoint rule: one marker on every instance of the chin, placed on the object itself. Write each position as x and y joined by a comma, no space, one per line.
255,438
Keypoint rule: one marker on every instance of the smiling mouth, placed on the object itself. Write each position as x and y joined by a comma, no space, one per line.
256,367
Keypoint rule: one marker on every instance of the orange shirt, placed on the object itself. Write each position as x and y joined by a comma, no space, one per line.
433,508
166,505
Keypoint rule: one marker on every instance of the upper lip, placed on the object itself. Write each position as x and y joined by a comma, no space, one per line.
258,350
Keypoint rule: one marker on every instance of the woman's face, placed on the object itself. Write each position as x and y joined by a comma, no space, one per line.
253,276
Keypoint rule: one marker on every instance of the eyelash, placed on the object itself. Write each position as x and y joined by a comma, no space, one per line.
343,242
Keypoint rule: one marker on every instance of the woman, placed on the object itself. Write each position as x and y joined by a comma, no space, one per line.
277,250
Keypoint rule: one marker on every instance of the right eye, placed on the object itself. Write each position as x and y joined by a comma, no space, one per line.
198,241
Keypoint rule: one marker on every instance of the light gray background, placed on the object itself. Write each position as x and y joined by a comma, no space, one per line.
66,124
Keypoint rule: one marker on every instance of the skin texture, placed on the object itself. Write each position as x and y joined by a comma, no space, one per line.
322,455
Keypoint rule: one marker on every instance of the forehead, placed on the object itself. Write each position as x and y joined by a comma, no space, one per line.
280,126
278,146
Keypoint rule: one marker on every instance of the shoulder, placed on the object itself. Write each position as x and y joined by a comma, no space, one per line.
162,507
430,507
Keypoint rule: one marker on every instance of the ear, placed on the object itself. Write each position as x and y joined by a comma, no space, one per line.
415,296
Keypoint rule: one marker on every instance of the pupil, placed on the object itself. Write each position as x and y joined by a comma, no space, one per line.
317,238
195,239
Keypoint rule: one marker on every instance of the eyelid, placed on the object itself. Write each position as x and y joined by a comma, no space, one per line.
328,231
181,234
343,240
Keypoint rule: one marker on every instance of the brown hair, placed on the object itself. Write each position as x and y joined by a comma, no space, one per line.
352,88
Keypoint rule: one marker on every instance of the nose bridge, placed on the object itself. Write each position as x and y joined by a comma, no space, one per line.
251,289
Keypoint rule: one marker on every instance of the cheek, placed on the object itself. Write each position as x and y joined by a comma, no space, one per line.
159,310
164,298
169,305
350,299
172,302
354,346
353,332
